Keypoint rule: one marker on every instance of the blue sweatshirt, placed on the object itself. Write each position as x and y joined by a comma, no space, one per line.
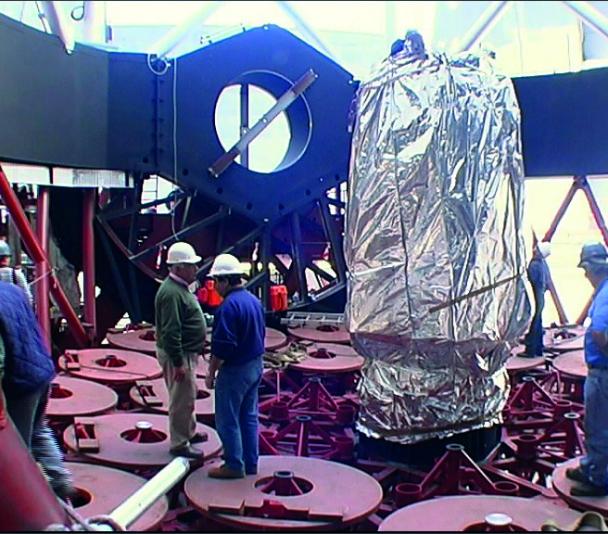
238,328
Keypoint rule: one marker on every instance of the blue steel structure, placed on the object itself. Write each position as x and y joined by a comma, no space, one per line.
98,109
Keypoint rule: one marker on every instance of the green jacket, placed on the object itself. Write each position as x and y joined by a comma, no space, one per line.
180,325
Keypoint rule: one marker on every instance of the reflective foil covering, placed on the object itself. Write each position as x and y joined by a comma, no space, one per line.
434,247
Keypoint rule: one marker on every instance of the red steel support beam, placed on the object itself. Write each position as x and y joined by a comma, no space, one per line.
562,209
595,209
43,267
39,256
88,259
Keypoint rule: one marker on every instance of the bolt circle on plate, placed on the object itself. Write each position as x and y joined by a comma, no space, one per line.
154,396
102,489
562,486
74,397
123,442
571,364
110,366
321,334
476,513
308,494
329,358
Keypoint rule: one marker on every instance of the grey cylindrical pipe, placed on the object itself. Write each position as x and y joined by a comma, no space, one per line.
130,510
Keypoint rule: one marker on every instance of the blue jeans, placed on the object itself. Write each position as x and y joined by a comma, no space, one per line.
236,414
594,465
534,339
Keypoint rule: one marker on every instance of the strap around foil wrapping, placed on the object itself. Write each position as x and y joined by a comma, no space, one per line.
473,293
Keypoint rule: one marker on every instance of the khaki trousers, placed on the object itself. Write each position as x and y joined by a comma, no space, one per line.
182,395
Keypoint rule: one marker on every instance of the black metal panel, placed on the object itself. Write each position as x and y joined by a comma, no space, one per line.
53,106
131,112
251,56
108,110
564,123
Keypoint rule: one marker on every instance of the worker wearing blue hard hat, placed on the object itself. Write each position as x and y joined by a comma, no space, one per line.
592,472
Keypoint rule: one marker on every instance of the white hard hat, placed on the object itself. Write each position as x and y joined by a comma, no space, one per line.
226,265
182,252
544,247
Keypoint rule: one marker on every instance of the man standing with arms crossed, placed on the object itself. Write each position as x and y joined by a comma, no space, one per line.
592,472
180,335
237,348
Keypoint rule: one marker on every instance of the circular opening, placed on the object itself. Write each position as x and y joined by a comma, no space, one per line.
81,498
322,354
283,474
284,486
572,415
303,418
454,447
563,404
145,435
58,392
527,438
407,488
148,335
202,394
506,487
245,102
143,425
327,328
111,360
527,378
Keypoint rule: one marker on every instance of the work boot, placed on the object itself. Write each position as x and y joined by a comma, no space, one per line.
223,471
187,452
588,490
577,474
251,470
199,437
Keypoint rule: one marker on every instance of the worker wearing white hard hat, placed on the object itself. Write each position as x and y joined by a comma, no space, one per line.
180,335
538,275
11,274
591,474
237,348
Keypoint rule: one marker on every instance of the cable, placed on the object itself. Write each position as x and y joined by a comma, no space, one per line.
165,63
174,138
82,9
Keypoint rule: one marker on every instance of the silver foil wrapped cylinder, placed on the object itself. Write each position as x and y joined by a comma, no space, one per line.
433,245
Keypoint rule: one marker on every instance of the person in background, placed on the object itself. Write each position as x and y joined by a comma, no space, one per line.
538,274
10,274
180,335
26,371
237,349
591,473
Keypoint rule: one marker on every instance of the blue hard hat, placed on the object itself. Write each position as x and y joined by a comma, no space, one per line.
593,254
